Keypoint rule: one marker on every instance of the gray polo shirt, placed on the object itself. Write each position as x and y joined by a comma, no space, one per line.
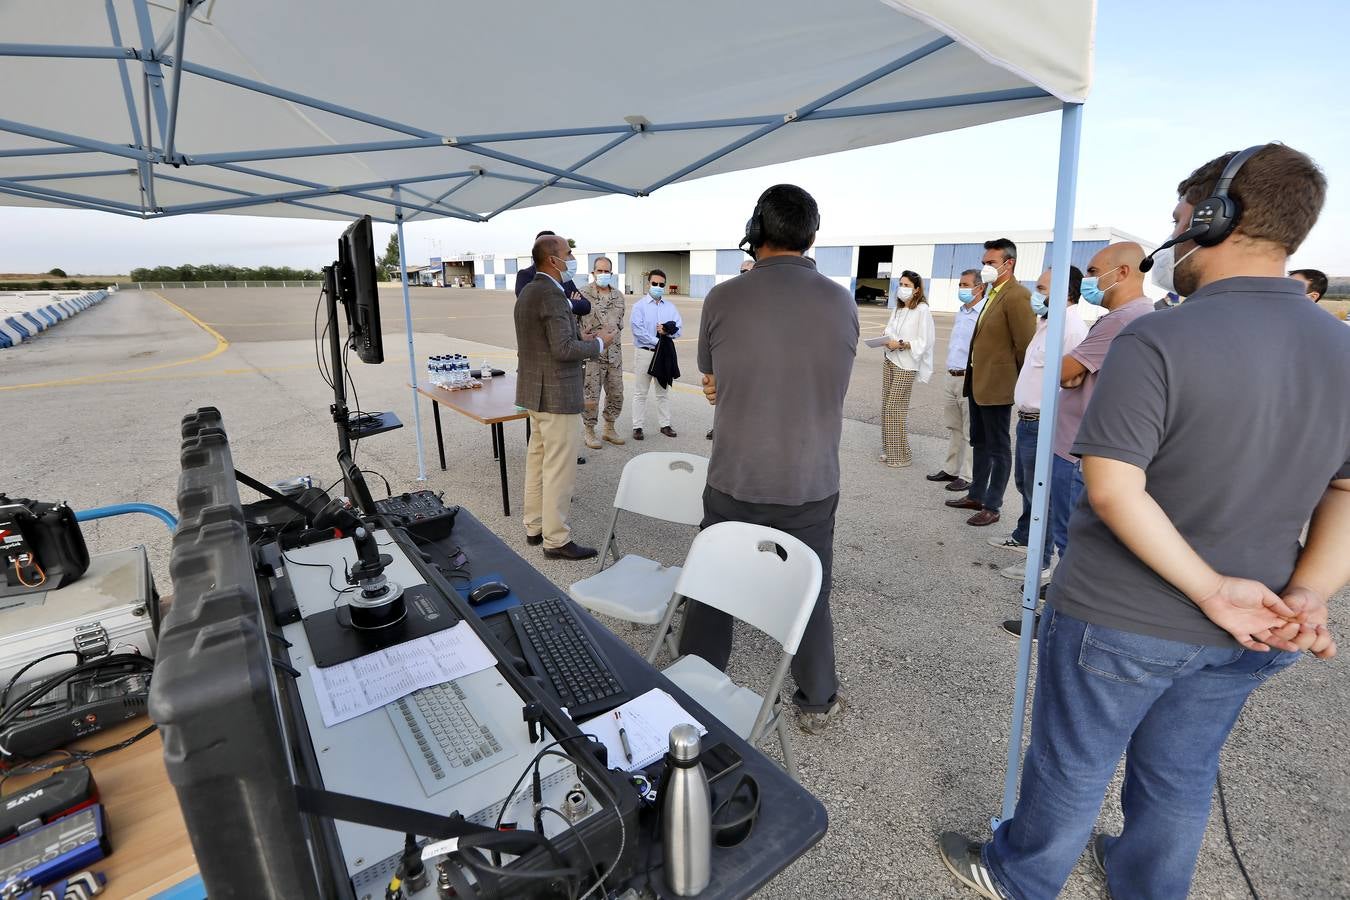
1234,404
780,340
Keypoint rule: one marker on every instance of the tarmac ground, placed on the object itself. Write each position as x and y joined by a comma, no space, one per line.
92,416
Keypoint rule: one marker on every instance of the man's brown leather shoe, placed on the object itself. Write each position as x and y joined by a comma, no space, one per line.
964,503
983,517
637,434
534,540
668,431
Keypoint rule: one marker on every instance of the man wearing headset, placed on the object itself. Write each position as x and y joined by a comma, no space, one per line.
1185,585
776,348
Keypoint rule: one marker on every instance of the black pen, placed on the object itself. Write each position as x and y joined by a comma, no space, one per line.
623,737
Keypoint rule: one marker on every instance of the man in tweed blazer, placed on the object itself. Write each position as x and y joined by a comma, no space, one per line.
549,385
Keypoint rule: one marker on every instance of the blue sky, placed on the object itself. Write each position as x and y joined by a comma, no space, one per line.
1175,85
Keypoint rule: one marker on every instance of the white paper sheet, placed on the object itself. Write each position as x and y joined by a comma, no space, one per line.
369,682
647,721
877,341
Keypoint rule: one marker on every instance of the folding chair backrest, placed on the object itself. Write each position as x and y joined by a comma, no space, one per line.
759,575
666,486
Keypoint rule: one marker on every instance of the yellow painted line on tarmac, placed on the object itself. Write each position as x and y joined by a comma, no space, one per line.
221,346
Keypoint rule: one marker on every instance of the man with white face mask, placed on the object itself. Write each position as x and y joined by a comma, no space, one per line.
607,308
1186,586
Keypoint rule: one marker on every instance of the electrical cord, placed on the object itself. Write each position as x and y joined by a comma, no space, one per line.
1232,844
4,695
14,710
590,860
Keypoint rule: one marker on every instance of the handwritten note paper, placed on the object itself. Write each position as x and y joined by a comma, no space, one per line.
369,682
647,721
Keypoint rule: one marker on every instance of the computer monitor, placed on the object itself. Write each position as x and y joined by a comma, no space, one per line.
356,290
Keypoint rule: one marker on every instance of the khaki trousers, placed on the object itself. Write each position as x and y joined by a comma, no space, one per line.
956,416
550,476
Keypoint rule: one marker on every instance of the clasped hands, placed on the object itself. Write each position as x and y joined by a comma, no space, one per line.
1259,619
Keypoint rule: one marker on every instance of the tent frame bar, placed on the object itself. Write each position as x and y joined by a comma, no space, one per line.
1070,134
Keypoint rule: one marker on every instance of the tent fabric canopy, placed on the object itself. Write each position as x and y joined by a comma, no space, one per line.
336,109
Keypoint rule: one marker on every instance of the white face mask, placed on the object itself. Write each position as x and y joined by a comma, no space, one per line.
988,273
906,294
1165,267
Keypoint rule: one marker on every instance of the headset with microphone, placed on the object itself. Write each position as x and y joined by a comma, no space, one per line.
754,228
1213,218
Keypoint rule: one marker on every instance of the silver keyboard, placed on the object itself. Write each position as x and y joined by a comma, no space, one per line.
445,741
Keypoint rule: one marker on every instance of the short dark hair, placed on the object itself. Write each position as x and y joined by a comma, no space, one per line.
789,216
1008,248
542,245
1281,191
1317,281
1075,283
545,234
656,272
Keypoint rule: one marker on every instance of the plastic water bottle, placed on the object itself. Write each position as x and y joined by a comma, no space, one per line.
437,365
486,371
431,369
461,370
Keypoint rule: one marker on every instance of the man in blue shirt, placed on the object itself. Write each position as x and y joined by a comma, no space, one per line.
651,315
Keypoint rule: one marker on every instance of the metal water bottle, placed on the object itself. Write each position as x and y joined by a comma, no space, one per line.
686,815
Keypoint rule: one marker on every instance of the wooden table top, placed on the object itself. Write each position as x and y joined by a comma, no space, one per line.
150,847
494,402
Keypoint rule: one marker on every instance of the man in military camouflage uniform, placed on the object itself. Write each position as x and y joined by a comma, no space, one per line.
607,308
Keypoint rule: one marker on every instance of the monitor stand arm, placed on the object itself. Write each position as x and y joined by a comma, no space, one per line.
339,407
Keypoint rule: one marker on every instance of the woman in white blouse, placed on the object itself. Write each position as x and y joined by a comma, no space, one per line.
909,355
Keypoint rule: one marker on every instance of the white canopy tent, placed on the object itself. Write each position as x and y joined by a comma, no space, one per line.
154,108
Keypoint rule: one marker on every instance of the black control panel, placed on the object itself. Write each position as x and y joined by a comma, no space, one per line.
421,512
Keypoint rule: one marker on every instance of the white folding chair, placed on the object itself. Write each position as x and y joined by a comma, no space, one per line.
765,578
665,486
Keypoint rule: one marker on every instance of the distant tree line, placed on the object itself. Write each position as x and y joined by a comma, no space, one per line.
223,273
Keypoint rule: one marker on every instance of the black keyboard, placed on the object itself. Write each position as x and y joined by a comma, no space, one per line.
560,650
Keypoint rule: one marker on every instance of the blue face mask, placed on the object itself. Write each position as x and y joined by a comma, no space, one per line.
571,269
1091,292
1039,305
657,291
604,279
965,295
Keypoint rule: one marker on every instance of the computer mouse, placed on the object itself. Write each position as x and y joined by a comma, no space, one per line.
493,590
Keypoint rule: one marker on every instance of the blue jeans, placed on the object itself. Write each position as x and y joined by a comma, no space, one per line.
1168,706
1024,476
1066,486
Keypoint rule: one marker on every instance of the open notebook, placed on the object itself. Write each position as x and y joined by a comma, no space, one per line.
647,721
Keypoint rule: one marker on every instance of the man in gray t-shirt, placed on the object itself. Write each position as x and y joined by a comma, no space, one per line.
776,347
1185,586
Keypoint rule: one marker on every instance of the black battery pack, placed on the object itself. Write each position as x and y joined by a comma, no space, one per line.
41,546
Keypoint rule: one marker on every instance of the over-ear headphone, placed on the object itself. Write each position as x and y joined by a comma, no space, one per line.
754,233
754,227
1215,217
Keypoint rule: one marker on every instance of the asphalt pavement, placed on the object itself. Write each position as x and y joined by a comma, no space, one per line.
93,409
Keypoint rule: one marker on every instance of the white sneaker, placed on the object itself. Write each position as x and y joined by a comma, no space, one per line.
1007,543
1018,572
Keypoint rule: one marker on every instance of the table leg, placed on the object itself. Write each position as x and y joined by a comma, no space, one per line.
496,443
440,442
500,433
527,430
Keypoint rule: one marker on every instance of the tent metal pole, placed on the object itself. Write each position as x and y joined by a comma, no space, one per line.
67,195
412,355
154,72
551,170
321,191
103,173
179,36
535,181
206,159
585,160
41,151
949,102
870,78
142,166
68,51
1070,129
289,179
72,140
345,213
28,194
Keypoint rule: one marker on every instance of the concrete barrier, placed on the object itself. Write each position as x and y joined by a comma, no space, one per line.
24,316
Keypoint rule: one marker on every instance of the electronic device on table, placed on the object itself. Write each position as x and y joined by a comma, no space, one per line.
351,280
558,648
278,805
41,546
423,513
